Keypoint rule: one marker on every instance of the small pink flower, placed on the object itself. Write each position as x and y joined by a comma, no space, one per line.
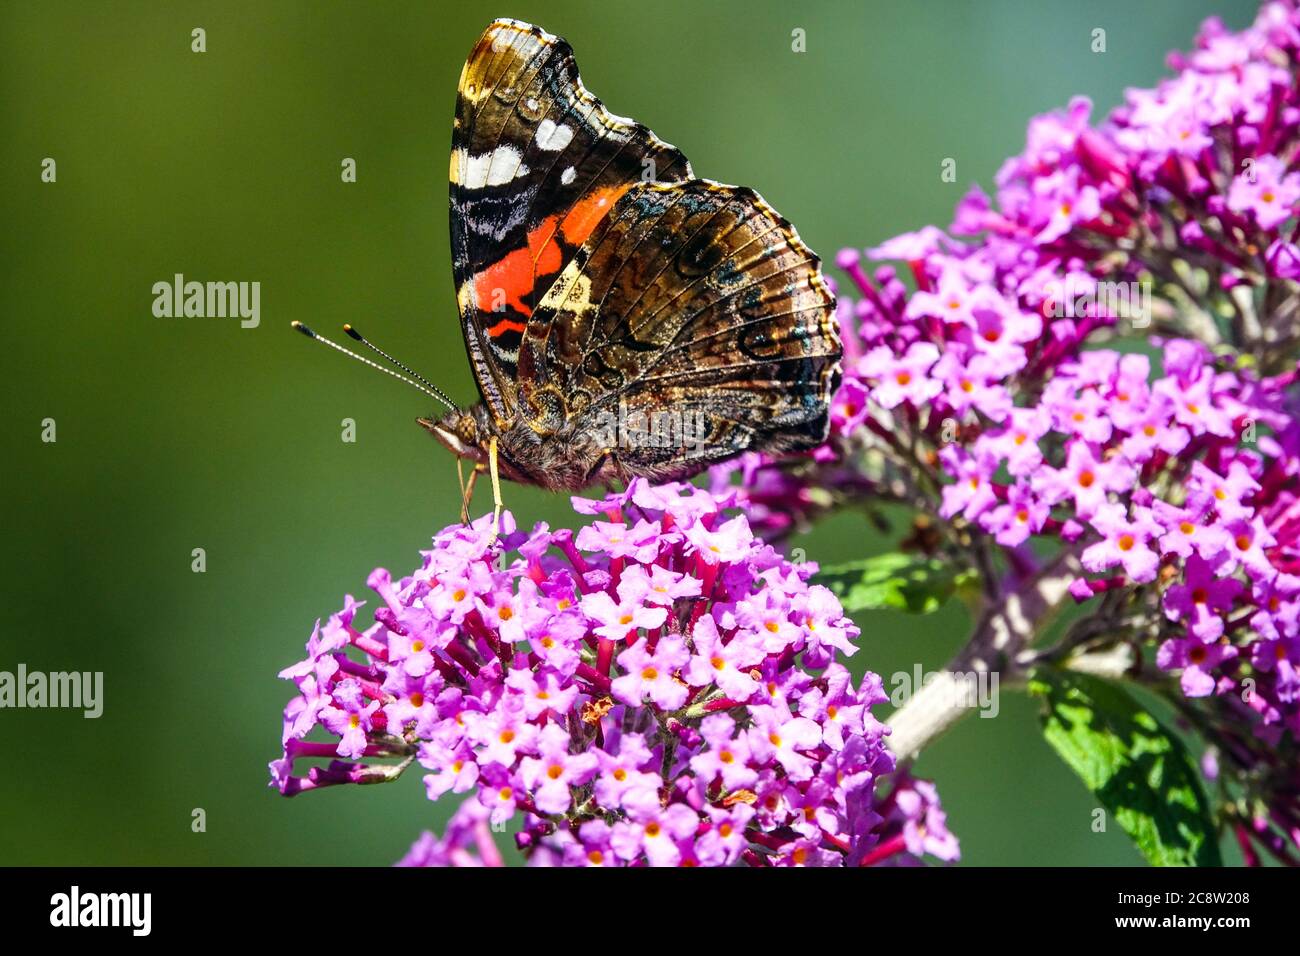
1086,479
653,674
1124,542
905,378
1265,190
726,665
551,774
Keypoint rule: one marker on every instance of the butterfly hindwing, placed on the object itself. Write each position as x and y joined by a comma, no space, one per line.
537,163
692,299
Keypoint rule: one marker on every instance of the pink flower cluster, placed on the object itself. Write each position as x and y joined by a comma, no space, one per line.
986,388
1188,475
659,688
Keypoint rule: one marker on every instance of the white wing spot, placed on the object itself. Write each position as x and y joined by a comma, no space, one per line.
551,137
491,169
568,175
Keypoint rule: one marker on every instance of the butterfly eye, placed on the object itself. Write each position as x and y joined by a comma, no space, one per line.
467,429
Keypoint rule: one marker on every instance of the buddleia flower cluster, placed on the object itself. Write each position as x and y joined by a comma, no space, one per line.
1100,360
659,688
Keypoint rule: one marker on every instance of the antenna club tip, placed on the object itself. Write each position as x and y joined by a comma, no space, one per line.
352,333
295,324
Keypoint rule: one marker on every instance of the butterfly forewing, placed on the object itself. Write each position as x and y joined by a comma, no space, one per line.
537,165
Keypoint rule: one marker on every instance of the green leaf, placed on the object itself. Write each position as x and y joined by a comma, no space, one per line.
1139,771
901,581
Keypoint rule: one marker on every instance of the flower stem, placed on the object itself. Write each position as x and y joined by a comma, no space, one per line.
1004,632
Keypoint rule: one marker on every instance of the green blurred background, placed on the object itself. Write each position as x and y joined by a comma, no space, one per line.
175,434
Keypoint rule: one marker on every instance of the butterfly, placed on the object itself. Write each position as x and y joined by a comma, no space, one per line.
621,316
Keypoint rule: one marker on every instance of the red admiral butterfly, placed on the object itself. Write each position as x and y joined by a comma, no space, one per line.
622,317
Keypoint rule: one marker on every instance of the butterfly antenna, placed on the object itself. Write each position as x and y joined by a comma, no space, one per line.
357,336
431,392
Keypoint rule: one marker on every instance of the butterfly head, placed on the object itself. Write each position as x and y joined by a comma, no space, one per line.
467,433
464,431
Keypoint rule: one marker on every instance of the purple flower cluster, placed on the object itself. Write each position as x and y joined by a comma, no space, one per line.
983,389
660,688
1189,475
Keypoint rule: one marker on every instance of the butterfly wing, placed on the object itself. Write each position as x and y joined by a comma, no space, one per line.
537,162
691,299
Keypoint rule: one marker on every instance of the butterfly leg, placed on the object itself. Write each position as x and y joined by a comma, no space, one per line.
466,491
496,486
606,470
616,472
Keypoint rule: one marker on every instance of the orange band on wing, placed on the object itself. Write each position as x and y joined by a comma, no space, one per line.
504,326
514,276
587,213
